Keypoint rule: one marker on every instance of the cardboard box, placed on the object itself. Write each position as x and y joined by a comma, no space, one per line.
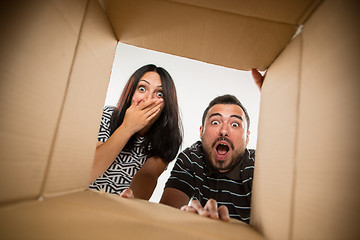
56,59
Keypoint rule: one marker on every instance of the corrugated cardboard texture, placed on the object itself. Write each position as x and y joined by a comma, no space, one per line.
37,50
91,215
197,31
74,147
307,162
292,12
327,200
307,167
275,157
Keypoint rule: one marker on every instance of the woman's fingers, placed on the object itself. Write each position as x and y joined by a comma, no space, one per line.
139,114
149,104
151,108
127,193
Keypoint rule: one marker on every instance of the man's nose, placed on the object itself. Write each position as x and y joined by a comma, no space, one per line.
223,131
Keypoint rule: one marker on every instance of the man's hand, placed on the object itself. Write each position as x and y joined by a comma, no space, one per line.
127,193
258,78
210,210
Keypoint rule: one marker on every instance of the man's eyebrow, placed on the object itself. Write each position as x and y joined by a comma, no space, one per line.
215,114
237,116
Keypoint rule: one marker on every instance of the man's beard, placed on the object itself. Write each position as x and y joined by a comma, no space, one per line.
235,158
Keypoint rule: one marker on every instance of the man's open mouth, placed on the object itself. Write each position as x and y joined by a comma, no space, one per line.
222,149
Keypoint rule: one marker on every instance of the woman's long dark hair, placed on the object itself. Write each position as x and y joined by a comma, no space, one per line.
165,135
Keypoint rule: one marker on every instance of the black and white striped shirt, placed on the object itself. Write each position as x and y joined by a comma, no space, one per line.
120,173
194,176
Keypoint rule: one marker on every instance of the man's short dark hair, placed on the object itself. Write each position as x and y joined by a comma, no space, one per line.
226,99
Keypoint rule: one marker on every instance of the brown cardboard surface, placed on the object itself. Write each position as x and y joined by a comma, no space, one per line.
205,34
272,193
327,200
36,52
292,12
53,83
74,148
91,215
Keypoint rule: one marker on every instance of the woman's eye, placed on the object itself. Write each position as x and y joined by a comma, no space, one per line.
141,89
234,124
160,94
215,122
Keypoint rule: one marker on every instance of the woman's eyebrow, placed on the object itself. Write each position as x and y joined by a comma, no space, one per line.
160,86
145,81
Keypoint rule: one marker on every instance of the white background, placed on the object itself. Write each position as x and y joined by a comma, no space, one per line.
197,83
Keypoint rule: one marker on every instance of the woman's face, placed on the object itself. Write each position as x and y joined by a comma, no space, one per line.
149,87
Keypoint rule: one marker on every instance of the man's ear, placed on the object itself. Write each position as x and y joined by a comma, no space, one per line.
201,131
247,137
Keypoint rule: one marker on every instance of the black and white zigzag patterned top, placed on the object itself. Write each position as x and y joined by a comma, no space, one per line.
120,173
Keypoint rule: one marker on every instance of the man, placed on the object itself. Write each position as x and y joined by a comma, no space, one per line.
218,169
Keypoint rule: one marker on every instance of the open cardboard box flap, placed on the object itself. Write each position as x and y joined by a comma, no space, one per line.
251,33
55,64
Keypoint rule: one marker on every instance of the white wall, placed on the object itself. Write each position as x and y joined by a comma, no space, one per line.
197,83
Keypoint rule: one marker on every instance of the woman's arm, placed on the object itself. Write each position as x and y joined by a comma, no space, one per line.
137,116
145,180
106,152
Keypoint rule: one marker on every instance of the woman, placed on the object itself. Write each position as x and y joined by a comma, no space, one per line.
138,137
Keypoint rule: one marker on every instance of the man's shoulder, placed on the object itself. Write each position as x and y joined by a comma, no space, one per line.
249,157
252,153
194,153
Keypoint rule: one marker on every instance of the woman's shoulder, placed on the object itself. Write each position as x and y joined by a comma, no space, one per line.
109,109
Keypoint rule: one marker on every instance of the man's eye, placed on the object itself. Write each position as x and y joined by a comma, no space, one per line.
160,94
141,89
234,124
215,122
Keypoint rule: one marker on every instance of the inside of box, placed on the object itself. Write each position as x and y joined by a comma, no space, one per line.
55,68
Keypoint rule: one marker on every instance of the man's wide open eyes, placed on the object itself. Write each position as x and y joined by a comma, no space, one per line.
234,124
214,122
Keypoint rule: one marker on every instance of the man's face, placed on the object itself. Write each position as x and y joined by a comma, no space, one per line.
224,135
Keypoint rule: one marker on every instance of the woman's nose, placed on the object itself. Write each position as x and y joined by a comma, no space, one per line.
147,96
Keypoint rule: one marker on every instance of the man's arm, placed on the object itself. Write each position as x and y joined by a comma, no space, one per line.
174,198
258,78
